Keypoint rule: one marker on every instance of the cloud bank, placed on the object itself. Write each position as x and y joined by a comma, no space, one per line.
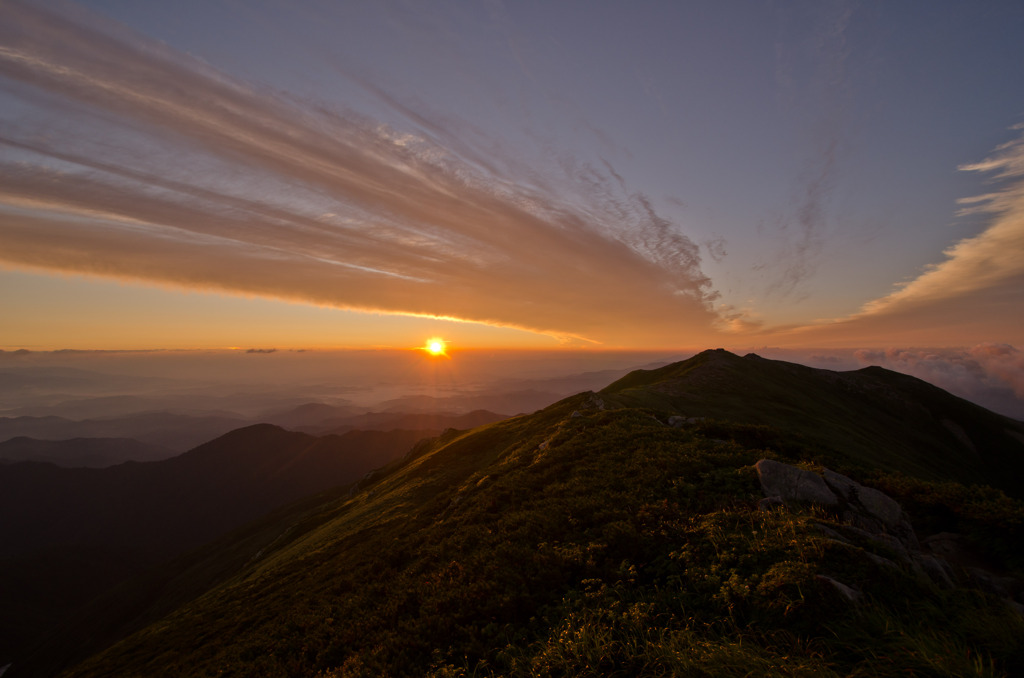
125,158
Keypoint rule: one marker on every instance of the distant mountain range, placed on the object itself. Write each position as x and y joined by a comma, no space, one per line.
177,432
323,422
81,452
636,530
154,435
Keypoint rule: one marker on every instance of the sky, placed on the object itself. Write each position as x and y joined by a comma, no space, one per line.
576,175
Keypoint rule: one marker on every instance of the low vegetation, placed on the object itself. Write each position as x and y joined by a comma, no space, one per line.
582,541
612,534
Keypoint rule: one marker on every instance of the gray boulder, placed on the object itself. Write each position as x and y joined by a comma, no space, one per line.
793,484
876,504
851,594
937,569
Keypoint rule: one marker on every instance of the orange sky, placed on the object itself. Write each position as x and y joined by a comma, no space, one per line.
167,190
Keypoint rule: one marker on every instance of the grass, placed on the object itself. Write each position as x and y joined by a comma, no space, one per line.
572,542
872,418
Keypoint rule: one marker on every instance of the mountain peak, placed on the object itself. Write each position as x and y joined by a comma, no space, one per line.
872,416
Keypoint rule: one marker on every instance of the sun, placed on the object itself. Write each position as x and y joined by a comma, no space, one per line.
436,346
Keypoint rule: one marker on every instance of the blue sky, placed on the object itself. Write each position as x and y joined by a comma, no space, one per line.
579,173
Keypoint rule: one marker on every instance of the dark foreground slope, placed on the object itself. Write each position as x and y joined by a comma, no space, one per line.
593,538
68,533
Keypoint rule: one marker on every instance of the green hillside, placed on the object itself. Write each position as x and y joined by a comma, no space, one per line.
871,417
601,537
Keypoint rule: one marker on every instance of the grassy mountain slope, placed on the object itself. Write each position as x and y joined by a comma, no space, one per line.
872,417
592,538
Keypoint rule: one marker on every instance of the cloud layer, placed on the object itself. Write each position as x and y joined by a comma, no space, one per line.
128,159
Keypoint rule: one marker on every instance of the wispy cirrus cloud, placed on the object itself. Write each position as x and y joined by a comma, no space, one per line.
128,159
803,229
988,261
974,294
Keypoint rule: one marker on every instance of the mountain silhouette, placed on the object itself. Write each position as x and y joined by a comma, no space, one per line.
178,432
69,533
81,452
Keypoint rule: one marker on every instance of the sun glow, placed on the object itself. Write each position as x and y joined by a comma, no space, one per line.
436,346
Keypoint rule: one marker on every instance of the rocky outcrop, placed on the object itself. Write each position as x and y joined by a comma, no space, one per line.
874,523
790,483
954,549
866,500
677,421
861,506
593,401
848,592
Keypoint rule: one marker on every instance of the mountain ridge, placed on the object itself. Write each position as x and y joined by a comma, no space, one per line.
79,452
922,431
619,532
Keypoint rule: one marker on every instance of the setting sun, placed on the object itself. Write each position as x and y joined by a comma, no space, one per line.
436,346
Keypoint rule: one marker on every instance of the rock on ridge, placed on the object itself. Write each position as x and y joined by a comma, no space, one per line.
876,504
864,507
869,516
831,489
790,483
